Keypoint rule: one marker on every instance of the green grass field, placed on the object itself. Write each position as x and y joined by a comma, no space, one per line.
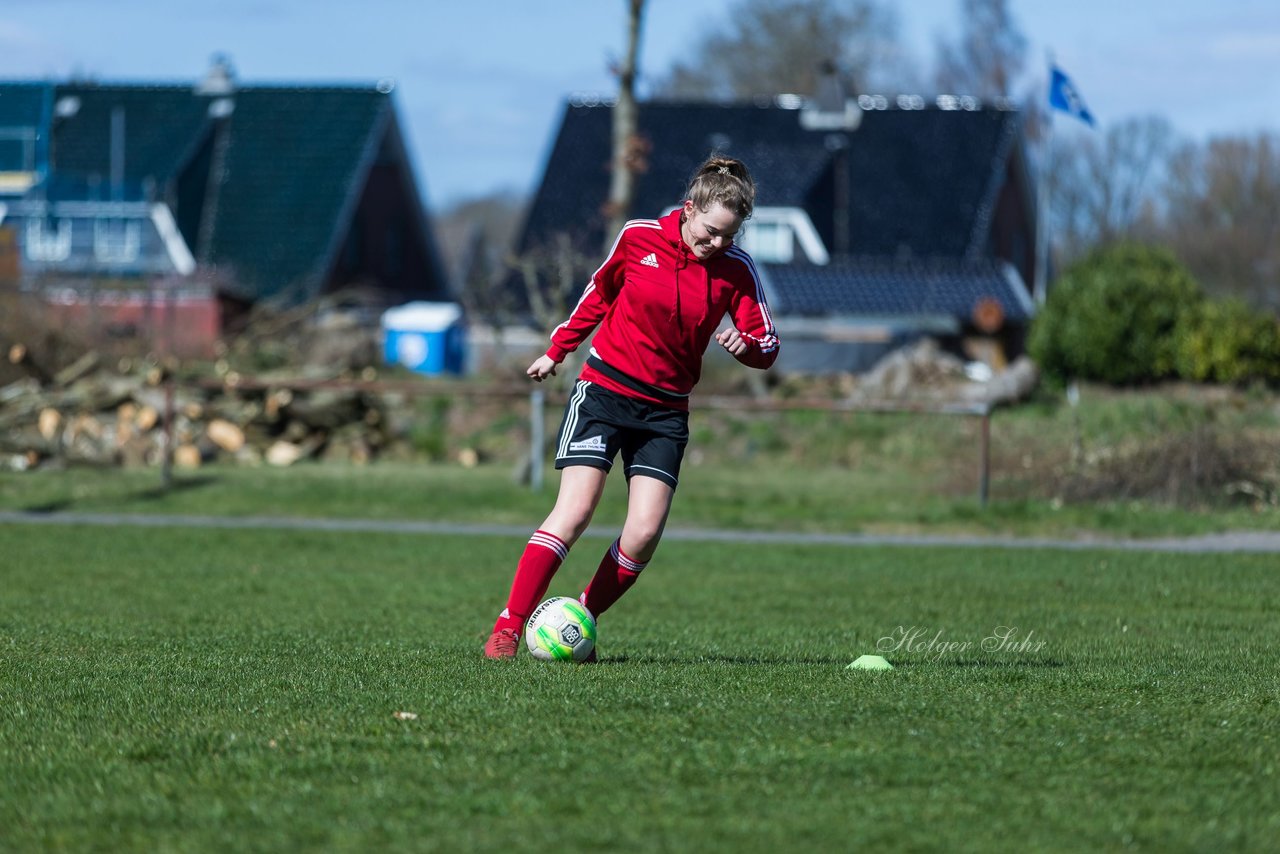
186,689
192,689
880,498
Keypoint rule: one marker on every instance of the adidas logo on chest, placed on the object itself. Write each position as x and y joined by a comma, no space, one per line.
650,260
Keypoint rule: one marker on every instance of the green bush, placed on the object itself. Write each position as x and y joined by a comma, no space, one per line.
1226,341
1112,317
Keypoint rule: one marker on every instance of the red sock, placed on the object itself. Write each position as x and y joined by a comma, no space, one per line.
613,577
541,558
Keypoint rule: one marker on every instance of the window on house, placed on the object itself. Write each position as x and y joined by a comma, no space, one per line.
17,160
116,241
48,240
17,149
770,242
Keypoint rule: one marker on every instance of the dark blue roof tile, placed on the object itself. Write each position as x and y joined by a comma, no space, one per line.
887,287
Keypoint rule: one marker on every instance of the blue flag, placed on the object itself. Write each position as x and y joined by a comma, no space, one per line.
1063,96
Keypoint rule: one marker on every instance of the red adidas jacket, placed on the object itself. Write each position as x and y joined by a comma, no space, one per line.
658,307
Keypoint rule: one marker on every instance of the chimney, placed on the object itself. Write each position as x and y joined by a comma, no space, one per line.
220,79
829,97
829,108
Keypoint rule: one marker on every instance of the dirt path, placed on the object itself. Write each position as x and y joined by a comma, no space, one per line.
1266,542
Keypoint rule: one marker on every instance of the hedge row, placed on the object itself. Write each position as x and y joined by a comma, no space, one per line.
1131,314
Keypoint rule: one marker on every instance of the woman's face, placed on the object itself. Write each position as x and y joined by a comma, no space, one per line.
710,231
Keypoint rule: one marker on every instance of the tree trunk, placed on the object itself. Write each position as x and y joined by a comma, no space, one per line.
622,183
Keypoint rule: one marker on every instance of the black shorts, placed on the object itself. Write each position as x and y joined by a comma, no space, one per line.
599,423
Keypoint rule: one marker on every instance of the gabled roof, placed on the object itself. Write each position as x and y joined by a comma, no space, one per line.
262,179
918,182
294,159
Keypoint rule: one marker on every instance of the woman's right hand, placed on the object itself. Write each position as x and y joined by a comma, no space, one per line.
543,366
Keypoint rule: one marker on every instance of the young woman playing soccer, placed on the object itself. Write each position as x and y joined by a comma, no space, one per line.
658,299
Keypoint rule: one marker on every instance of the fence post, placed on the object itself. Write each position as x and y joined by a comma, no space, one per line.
537,441
984,481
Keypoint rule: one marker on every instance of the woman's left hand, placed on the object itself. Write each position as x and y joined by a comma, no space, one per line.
731,339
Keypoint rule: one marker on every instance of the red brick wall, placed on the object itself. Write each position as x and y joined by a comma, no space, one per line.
188,325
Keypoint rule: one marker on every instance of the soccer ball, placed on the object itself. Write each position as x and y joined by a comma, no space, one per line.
561,629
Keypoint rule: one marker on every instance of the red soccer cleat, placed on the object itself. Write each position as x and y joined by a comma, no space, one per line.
502,644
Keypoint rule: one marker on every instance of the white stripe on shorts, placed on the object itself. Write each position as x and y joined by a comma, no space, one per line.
668,474
571,417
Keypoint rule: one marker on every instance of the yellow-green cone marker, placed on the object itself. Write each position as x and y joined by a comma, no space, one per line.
870,662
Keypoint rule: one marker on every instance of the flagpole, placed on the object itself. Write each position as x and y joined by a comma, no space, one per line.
1041,285
1062,96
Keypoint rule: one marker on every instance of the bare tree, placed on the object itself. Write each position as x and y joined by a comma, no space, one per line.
476,237
553,275
1222,215
1107,188
988,55
1072,227
782,46
628,148
987,59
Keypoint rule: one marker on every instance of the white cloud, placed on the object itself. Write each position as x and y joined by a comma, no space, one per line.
1242,45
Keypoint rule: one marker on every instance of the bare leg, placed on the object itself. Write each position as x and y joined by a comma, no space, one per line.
620,567
647,509
580,491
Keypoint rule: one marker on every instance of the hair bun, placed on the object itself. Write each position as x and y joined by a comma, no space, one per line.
723,180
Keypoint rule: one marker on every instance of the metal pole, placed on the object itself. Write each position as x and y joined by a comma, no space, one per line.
166,459
537,442
984,482
166,462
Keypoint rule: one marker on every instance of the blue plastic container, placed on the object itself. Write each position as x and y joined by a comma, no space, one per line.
426,337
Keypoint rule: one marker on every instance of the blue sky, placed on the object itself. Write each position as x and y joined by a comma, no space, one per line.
481,85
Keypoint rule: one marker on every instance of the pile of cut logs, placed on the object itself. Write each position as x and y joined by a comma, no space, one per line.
132,415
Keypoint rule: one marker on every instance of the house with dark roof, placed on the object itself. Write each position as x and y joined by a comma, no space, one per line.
218,193
875,224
